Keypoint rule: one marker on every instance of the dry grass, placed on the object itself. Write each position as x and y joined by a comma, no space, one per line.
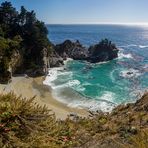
24,124
140,140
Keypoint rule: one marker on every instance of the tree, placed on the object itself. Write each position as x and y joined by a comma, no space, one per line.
21,32
30,18
22,16
8,19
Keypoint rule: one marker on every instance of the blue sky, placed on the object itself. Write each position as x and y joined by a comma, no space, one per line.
87,11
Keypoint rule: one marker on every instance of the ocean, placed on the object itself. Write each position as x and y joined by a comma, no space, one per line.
101,86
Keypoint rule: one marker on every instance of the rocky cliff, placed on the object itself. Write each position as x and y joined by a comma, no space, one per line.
103,51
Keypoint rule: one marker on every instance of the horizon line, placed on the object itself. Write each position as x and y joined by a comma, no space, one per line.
101,23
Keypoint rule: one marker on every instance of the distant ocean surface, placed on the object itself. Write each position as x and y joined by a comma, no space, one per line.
101,86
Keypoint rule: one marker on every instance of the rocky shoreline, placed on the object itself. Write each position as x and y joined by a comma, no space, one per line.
105,50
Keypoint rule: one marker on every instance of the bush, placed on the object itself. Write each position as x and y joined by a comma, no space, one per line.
23,123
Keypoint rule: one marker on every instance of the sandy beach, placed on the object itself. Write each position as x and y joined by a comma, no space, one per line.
30,87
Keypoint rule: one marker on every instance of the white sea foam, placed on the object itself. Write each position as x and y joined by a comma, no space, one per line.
130,73
130,45
142,46
145,66
67,60
79,88
52,75
86,84
99,63
121,55
73,83
108,96
103,103
134,45
112,75
92,105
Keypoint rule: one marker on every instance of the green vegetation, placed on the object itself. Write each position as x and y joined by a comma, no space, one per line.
104,44
21,32
107,43
25,124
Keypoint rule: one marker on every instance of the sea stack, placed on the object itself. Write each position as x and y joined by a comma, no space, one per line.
103,51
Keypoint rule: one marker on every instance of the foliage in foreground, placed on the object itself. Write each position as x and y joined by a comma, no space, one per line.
26,124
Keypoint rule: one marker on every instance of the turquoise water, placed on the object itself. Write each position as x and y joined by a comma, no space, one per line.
101,86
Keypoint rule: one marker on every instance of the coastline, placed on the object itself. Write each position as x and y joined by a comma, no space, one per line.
30,87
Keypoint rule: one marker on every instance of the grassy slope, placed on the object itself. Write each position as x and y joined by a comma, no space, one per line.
25,124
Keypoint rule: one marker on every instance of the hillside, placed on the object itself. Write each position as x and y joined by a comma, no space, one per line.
25,124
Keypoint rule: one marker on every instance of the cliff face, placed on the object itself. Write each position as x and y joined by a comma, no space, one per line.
14,62
16,65
39,68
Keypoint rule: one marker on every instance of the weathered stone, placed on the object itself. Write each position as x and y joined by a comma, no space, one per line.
74,50
103,51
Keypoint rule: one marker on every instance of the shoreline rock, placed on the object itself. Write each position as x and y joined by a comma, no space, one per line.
69,49
103,51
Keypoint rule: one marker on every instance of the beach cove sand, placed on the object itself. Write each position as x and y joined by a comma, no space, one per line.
30,87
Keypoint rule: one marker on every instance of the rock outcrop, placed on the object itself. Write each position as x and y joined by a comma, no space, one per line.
103,51
74,50
55,60
12,65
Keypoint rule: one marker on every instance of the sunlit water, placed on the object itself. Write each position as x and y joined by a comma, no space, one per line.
101,86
